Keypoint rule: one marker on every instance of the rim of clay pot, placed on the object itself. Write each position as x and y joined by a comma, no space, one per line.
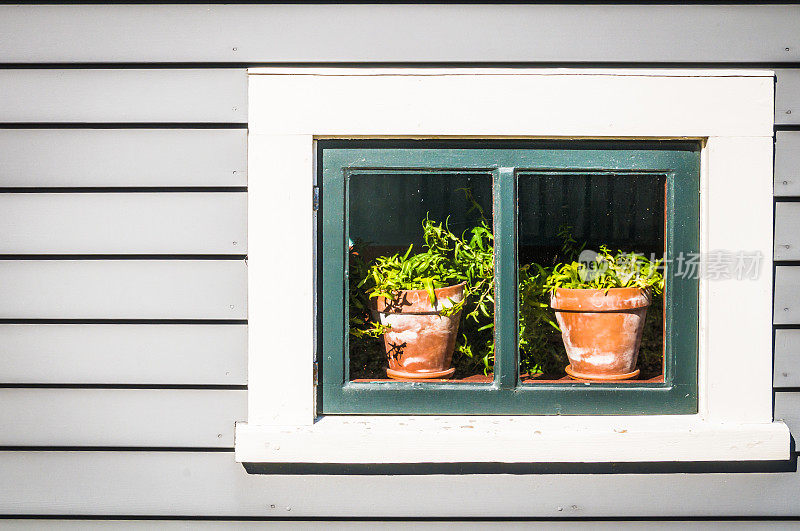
421,295
397,374
586,300
575,375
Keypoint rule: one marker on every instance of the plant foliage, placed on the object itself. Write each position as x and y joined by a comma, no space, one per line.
447,259
609,270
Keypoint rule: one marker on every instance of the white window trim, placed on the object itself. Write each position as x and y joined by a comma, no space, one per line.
730,111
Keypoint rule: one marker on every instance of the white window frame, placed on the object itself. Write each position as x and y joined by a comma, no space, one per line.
731,112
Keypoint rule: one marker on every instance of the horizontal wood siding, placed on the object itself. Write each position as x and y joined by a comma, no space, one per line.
787,409
211,484
23,524
787,359
122,157
370,33
120,417
787,163
123,223
122,96
123,289
787,231
133,354
787,295
787,97
108,121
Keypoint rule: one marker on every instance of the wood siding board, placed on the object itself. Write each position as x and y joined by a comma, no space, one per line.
210,483
787,295
124,223
787,163
122,157
787,97
19,524
322,33
123,289
125,354
202,418
787,409
787,359
787,231
207,95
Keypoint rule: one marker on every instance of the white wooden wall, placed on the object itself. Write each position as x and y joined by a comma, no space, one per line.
123,240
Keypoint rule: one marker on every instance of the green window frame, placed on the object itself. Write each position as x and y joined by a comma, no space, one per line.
677,161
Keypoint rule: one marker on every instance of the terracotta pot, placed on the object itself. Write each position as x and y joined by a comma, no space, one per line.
421,341
602,330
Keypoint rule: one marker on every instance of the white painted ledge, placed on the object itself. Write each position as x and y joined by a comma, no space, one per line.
476,439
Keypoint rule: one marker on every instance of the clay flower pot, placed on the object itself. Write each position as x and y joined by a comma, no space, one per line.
602,330
421,341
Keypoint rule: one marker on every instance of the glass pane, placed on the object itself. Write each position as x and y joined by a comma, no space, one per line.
420,261
577,233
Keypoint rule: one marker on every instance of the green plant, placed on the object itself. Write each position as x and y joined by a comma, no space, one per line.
447,259
538,352
609,270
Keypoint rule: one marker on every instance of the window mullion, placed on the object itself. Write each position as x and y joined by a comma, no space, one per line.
506,364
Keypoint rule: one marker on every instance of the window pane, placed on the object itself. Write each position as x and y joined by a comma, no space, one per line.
571,217
389,217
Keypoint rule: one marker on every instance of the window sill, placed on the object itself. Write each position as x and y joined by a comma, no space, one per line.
506,439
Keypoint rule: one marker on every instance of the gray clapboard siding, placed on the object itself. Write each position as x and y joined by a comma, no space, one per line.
124,223
212,484
787,231
787,295
122,157
249,525
787,409
787,163
140,354
123,289
317,33
120,417
787,359
123,95
787,97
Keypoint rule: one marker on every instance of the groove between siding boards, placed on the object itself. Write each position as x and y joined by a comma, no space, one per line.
216,387
124,223
321,33
118,95
212,484
226,322
151,257
122,125
123,157
123,355
123,289
121,189
120,417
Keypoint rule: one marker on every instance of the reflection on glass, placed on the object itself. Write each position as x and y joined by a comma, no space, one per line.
568,219
420,276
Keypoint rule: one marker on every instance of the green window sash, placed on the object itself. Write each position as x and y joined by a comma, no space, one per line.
677,161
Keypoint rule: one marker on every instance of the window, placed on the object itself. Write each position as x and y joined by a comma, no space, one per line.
532,195
722,120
